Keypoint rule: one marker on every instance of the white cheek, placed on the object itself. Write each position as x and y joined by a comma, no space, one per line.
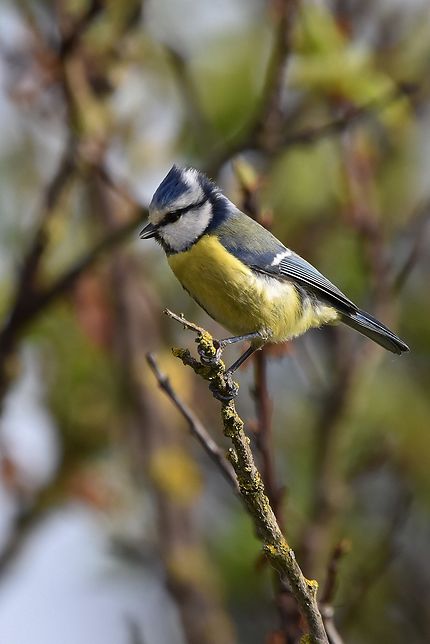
188,228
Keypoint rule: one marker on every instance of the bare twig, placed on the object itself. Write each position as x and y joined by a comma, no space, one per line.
251,486
333,635
185,323
270,119
375,563
134,630
340,550
65,281
38,300
266,123
28,273
325,499
204,134
329,590
24,297
25,303
70,40
197,429
264,434
418,229
353,115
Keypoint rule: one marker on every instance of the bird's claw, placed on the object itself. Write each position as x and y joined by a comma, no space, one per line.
211,360
230,391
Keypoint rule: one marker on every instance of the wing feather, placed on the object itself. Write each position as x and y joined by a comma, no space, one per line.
259,249
295,268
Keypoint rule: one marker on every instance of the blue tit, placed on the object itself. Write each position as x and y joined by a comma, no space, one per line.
240,274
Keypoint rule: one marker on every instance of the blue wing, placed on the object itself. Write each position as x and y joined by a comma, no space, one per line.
260,250
296,269
263,253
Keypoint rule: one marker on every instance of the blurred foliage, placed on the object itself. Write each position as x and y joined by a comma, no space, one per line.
83,391
228,92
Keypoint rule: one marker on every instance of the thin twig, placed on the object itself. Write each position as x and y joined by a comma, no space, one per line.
197,429
333,406
43,297
185,323
340,550
270,119
333,634
264,434
25,303
72,38
309,135
353,115
329,590
65,281
378,560
417,228
28,273
24,296
265,125
251,485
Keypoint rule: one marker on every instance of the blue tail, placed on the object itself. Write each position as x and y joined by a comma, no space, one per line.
375,330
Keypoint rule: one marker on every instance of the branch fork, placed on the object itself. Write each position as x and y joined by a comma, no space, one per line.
210,367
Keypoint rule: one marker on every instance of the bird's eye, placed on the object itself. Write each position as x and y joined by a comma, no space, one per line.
174,215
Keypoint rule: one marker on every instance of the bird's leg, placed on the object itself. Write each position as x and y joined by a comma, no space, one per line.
231,387
221,344
256,335
240,360
240,338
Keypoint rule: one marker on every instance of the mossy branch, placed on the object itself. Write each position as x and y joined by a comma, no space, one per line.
279,553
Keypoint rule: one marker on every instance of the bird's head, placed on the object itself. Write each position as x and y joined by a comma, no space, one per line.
181,209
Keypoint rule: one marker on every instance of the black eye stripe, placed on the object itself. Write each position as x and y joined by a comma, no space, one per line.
174,215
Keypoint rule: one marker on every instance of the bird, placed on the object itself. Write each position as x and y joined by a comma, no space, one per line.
241,274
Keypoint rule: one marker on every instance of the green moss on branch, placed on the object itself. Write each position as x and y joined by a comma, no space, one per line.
278,552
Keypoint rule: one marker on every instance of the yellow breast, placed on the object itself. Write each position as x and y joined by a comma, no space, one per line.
239,299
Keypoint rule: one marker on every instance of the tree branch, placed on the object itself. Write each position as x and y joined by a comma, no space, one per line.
351,117
196,427
329,590
65,281
26,287
417,229
251,487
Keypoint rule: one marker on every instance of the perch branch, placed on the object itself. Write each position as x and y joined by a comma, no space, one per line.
251,487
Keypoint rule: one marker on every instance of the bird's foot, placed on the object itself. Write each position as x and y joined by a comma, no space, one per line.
209,358
230,390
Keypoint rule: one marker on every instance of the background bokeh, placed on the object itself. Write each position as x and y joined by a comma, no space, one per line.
314,117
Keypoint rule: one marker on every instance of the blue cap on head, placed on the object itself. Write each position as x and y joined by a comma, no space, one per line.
172,187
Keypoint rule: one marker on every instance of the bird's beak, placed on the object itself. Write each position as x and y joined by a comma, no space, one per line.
149,231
